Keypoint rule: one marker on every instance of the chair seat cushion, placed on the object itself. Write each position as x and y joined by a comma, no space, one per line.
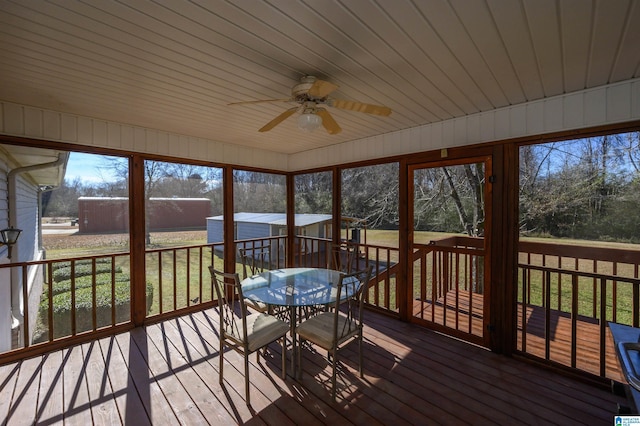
262,329
319,329
258,306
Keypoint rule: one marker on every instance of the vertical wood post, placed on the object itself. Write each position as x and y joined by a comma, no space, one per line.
290,254
228,221
405,237
336,204
138,238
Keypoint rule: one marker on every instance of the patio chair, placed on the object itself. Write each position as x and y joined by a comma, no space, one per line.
343,256
241,332
333,330
253,264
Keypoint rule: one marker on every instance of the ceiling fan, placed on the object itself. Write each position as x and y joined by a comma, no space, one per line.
312,95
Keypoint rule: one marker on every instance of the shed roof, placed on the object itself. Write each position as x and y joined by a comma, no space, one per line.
301,219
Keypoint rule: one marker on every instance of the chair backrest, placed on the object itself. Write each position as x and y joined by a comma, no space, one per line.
343,255
233,312
255,260
355,285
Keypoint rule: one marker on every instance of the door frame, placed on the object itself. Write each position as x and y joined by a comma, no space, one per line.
487,159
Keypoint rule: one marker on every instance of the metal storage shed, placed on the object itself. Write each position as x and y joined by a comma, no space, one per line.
262,225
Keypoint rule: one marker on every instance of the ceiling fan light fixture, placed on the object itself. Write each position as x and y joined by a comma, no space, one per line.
309,121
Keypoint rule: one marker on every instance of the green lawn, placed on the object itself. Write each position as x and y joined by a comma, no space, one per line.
183,286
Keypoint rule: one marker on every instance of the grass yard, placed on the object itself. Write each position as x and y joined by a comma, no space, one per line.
182,288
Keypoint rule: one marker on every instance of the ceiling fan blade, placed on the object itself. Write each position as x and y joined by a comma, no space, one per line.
360,107
259,101
279,119
321,89
328,122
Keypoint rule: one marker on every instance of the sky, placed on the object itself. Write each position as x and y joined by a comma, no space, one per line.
89,168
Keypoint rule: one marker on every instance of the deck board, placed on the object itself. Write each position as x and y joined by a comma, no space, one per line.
50,402
167,373
130,404
587,335
76,394
104,409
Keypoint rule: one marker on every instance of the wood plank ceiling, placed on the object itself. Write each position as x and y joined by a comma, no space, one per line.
174,65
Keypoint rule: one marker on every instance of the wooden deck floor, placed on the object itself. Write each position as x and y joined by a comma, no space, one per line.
531,336
168,373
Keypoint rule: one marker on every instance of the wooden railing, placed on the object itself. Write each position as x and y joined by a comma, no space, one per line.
448,285
566,296
317,252
272,251
79,296
64,298
566,293
179,277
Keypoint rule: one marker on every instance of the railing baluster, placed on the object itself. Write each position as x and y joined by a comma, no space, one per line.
113,291
574,317
94,302
160,284
603,326
636,300
546,282
175,280
50,299
526,276
188,276
614,294
73,298
25,306
200,273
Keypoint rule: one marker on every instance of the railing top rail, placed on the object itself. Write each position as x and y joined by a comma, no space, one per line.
251,240
352,243
589,252
195,246
459,241
64,259
598,276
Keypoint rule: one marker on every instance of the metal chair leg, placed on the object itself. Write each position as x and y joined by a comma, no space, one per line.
297,354
246,379
360,356
221,354
333,378
284,358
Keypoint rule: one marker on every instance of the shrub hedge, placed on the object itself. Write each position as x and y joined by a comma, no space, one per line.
86,281
67,264
62,306
82,270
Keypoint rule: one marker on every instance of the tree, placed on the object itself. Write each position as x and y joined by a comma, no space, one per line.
313,192
63,201
371,193
259,192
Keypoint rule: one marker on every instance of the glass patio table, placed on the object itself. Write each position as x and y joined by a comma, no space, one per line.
294,288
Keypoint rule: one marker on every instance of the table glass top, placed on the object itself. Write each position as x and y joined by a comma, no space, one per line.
294,287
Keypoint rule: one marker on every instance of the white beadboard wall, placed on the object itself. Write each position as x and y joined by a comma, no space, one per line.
36,123
614,103
610,104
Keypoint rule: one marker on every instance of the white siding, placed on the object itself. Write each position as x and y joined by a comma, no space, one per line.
26,219
27,248
5,273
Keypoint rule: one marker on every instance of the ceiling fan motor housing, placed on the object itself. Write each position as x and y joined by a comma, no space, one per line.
300,92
